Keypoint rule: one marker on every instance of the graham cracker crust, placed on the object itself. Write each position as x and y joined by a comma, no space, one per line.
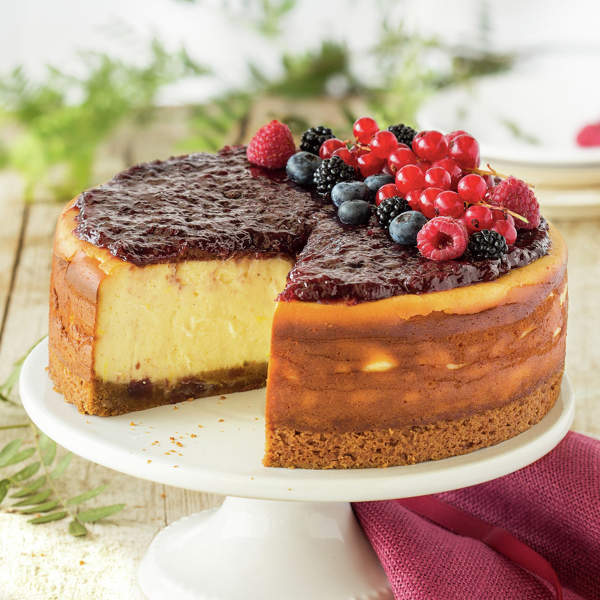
103,398
287,447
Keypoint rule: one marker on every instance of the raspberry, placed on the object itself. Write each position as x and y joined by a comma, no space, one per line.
515,195
313,138
442,238
271,146
487,244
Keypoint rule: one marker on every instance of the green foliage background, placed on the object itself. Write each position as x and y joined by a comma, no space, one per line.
53,140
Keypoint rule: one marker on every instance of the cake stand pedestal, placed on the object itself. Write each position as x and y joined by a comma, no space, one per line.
281,534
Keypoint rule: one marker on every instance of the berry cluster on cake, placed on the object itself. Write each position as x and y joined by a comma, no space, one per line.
401,303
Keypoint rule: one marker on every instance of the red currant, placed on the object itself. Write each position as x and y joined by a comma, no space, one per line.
490,181
369,164
507,230
424,165
413,198
385,191
500,215
464,149
328,147
427,199
364,129
452,167
438,177
359,150
430,145
409,177
383,143
449,204
400,157
478,218
472,188
347,156
454,134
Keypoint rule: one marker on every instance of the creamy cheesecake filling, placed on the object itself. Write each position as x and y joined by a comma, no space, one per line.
178,320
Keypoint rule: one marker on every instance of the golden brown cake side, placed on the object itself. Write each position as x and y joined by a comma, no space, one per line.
414,378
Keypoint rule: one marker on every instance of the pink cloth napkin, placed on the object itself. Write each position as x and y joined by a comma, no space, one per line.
552,506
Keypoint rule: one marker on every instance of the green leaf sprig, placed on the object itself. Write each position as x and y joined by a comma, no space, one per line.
57,134
41,496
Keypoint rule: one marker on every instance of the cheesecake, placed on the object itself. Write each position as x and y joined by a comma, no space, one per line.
203,274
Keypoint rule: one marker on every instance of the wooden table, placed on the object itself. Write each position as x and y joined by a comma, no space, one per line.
26,233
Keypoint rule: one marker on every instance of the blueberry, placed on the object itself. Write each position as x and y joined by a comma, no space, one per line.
349,190
404,228
301,167
354,212
374,182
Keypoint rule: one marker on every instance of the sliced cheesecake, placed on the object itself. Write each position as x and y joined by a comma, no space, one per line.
187,277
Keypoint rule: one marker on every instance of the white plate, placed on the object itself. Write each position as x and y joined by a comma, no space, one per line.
225,455
546,101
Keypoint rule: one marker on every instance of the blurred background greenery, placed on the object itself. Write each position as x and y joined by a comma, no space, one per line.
55,129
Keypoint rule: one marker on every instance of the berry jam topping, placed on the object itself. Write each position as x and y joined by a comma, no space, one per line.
198,206
362,264
364,221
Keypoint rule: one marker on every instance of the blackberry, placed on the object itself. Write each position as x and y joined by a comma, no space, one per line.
313,138
390,208
487,244
331,171
404,134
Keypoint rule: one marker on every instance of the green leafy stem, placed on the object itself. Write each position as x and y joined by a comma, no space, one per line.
42,497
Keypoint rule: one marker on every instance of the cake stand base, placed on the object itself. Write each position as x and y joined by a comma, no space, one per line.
264,550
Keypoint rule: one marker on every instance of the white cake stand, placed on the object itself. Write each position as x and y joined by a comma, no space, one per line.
258,545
